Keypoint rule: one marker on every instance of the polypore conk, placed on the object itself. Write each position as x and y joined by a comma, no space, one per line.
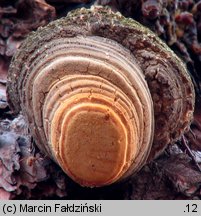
101,94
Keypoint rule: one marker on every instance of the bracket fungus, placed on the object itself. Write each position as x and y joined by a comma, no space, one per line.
102,94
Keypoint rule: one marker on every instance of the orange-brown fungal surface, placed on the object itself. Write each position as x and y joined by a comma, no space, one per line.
93,86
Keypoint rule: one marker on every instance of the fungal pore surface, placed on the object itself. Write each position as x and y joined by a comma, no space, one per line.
102,94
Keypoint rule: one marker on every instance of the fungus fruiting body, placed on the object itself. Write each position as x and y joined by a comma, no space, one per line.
101,93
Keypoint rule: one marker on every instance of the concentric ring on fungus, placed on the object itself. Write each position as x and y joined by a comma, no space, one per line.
86,83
